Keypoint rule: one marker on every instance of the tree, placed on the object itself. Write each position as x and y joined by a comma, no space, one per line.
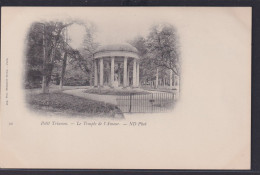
78,69
89,48
42,51
66,49
57,42
74,54
44,48
147,67
63,69
163,47
34,56
47,47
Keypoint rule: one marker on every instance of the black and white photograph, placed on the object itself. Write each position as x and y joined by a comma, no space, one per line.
76,67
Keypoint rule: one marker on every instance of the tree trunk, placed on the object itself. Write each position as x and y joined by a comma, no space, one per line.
64,65
47,68
49,73
52,57
170,79
157,77
45,88
51,64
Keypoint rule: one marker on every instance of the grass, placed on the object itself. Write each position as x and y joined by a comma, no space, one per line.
69,105
160,89
119,92
54,89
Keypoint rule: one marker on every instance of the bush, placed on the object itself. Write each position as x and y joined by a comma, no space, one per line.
76,82
33,85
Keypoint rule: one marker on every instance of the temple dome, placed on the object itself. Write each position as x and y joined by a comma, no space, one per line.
117,47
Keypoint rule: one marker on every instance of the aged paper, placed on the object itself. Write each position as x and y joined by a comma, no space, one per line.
208,127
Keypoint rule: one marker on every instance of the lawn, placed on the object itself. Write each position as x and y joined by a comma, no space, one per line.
64,104
160,89
55,88
120,92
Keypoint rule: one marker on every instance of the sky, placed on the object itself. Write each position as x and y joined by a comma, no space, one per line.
75,35
117,26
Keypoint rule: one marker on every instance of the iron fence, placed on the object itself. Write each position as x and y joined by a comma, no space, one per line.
150,103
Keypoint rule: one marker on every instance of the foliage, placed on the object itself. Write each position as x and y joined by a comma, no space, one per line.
147,70
163,47
88,50
160,49
47,44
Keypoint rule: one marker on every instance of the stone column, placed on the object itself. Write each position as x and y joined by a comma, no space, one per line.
112,79
128,75
170,78
134,73
96,74
101,71
173,79
137,74
119,75
125,72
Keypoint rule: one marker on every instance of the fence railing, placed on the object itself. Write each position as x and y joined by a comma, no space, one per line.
142,103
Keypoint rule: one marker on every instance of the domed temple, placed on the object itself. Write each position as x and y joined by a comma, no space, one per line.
116,65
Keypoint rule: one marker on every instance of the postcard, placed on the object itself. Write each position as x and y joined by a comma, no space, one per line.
126,87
